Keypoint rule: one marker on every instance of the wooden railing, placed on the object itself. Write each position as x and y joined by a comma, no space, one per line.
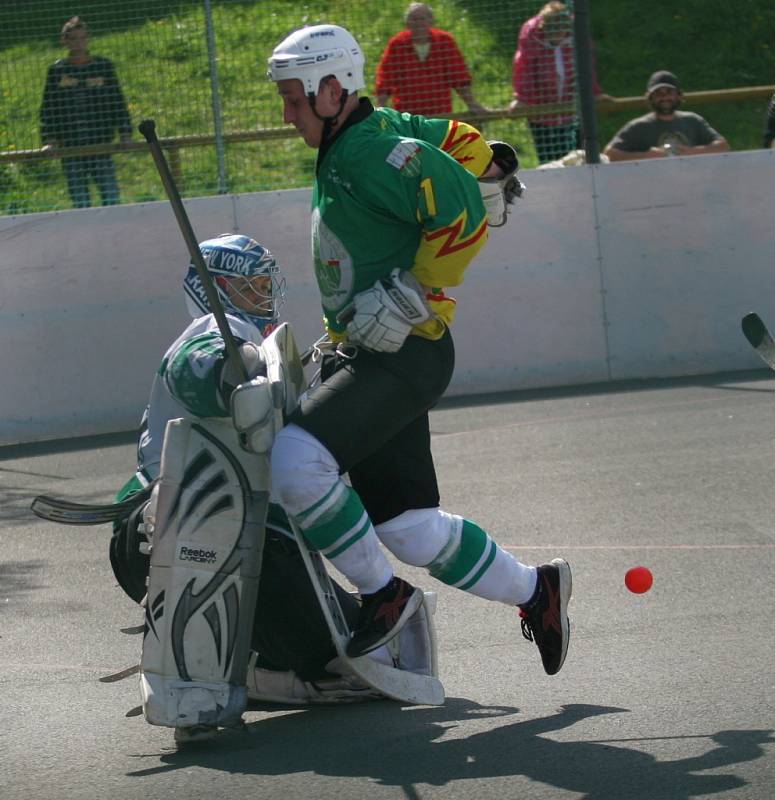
173,145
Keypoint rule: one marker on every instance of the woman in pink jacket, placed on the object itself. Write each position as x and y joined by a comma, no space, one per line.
545,72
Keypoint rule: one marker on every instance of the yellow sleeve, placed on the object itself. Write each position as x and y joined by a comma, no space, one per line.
467,146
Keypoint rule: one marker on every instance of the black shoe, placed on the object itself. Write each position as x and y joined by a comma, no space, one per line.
382,616
545,620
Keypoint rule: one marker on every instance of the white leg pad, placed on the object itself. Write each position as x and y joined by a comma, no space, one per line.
205,563
419,688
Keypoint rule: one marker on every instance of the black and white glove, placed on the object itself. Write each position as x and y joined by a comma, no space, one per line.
499,193
385,314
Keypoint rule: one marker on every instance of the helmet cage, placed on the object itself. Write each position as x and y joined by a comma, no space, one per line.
239,267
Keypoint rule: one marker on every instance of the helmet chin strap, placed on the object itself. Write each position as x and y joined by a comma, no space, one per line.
328,122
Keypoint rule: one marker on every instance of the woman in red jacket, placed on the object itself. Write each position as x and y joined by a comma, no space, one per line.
544,72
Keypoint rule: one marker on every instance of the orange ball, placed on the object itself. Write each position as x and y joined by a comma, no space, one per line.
638,579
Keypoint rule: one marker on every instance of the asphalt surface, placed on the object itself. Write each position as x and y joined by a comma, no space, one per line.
669,694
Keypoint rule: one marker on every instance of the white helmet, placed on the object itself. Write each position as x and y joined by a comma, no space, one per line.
311,54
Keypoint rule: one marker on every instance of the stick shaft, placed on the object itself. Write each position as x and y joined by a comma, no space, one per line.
148,129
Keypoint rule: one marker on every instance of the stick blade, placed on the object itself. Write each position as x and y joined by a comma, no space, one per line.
759,337
754,329
119,676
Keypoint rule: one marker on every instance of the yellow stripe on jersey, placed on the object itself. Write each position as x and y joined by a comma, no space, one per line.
444,253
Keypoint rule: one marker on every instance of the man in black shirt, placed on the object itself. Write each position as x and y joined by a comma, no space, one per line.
83,104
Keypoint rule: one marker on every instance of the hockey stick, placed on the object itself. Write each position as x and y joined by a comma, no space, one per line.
67,512
148,128
757,334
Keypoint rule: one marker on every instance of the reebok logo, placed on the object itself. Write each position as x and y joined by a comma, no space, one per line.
198,555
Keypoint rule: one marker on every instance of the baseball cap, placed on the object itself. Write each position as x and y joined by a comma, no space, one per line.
662,78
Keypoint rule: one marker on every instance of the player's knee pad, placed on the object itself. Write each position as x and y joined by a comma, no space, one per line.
302,470
418,536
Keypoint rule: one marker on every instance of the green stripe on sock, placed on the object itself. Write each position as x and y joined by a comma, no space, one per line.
301,516
493,549
359,534
334,523
458,564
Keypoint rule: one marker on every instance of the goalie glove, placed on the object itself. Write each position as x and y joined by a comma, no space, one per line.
384,315
499,193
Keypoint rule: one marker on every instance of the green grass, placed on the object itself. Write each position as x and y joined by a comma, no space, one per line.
159,48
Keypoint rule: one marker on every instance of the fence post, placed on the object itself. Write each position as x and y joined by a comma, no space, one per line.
223,183
584,76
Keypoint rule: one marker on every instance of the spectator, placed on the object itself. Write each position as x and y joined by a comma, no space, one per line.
544,71
769,126
82,105
420,67
665,131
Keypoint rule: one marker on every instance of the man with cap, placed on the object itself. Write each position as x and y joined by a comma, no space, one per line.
665,131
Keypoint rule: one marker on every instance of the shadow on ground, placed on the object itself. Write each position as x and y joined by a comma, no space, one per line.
423,746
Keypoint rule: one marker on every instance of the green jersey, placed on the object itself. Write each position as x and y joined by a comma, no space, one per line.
388,194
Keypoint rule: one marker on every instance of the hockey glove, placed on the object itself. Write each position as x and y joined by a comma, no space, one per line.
385,314
499,193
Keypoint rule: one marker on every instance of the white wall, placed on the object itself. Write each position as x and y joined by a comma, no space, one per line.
631,270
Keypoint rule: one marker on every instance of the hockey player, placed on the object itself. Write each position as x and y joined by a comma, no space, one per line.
290,639
397,216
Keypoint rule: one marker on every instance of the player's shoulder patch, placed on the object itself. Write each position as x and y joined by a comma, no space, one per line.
405,157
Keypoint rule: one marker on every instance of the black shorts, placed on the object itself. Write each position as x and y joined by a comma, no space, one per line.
372,414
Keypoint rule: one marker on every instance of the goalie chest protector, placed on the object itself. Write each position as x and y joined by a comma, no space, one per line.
205,563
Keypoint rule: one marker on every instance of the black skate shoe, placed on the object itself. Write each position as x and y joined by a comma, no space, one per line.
545,619
382,616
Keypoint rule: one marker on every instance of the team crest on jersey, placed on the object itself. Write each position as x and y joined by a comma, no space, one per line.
333,264
405,157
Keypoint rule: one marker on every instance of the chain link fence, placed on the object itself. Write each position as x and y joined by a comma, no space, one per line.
198,69
71,102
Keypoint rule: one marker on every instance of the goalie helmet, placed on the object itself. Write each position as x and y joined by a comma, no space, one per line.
246,276
313,53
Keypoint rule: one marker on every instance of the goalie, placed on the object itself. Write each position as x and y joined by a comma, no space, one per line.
290,644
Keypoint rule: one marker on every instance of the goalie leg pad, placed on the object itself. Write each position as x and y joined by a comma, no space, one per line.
273,686
203,582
